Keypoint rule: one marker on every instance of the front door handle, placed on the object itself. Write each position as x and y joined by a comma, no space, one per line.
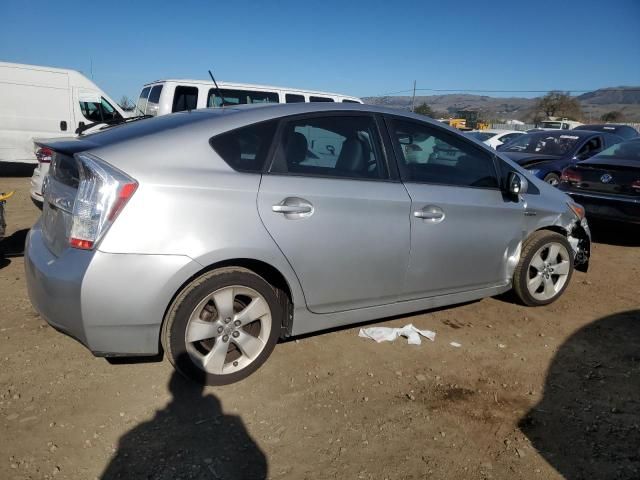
431,213
293,207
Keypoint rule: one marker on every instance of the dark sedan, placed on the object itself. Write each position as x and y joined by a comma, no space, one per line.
547,153
625,131
608,184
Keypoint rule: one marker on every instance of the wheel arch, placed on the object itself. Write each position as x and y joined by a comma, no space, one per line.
267,271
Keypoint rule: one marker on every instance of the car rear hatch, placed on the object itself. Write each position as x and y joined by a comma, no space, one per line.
613,177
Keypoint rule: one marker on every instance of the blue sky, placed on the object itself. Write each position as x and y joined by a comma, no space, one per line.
358,48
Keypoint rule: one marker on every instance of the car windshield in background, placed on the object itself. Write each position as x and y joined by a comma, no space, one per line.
551,125
623,151
543,143
482,136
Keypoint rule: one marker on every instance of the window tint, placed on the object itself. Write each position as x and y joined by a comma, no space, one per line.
320,99
590,148
346,100
99,112
240,97
142,100
431,155
154,99
245,149
293,98
509,136
185,98
338,146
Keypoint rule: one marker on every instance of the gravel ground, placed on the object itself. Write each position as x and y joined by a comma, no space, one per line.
543,393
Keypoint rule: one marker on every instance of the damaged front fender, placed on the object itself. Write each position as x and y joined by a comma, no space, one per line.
580,239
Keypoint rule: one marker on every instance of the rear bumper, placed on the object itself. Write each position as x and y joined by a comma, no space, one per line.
111,303
609,207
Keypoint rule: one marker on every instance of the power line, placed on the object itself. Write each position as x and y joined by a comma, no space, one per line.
467,90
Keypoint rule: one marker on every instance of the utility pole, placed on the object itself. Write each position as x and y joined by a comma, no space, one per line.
413,99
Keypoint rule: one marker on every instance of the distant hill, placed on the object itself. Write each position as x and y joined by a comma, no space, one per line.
594,104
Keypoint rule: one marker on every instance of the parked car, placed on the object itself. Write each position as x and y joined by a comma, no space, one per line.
563,124
625,132
210,234
169,96
494,137
608,184
546,154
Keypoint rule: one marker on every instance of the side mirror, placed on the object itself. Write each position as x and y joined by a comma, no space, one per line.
517,184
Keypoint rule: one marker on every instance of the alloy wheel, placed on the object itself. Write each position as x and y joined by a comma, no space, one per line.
548,271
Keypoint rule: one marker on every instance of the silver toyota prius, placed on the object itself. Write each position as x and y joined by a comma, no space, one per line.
211,234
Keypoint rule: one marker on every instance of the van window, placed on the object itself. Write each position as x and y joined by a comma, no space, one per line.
346,100
245,149
320,99
185,98
293,98
142,100
99,112
154,99
240,97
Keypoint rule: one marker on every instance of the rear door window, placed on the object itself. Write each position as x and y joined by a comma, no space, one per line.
240,97
335,146
245,149
185,98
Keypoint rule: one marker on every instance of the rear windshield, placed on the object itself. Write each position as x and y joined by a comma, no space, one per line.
544,143
240,97
64,169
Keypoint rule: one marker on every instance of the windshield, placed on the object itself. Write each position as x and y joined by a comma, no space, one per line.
482,136
544,143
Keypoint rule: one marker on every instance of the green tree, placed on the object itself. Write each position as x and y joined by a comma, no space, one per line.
424,109
613,116
558,104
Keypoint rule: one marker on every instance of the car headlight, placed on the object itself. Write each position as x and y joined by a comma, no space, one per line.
577,209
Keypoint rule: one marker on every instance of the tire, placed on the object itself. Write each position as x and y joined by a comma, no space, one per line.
540,278
210,336
552,179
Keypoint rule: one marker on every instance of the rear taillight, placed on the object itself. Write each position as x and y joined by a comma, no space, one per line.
636,185
102,194
44,155
570,175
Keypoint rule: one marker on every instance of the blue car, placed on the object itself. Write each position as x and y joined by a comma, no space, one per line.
547,153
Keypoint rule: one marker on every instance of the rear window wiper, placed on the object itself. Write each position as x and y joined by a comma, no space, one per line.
110,123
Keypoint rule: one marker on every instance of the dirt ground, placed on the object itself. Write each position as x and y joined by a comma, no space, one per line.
543,393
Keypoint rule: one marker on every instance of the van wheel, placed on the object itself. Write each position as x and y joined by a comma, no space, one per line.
544,269
223,326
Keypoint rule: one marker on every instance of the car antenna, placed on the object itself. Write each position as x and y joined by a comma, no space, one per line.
217,89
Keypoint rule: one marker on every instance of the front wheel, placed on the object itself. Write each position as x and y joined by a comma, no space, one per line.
544,269
223,326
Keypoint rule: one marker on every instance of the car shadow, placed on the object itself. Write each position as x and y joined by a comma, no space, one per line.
190,438
588,422
615,233
13,245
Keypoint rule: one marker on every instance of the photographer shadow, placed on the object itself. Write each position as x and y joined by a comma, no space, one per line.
588,422
190,438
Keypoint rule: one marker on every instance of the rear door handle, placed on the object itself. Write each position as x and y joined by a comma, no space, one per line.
293,207
431,212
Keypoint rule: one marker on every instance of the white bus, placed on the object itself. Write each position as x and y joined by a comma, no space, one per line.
167,96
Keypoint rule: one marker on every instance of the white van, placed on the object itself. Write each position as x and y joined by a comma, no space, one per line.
167,96
44,102
563,124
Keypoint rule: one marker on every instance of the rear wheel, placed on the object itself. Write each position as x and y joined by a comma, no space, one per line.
552,179
544,270
223,326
